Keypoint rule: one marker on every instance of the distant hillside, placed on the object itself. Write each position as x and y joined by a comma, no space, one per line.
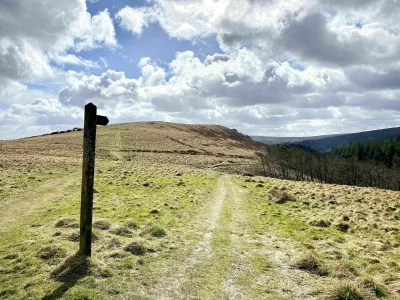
185,138
386,152
326,144
273,140
139,137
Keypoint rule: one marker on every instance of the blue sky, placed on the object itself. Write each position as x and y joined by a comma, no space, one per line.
154,43
275,68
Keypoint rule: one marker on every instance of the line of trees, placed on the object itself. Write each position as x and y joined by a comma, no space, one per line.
385,152
297,164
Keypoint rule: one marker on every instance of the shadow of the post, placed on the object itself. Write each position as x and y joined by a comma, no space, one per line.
69,272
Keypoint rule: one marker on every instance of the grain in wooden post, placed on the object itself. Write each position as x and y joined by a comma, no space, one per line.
89,148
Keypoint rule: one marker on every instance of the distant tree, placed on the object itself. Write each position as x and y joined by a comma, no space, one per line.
362,164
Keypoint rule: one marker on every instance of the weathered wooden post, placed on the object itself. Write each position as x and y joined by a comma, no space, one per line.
89,148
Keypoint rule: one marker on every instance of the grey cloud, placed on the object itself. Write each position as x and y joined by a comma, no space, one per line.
181,103
369,79
311,39
15,63
319,100
215,58
46,24
348,3
377,101
268,91
234,33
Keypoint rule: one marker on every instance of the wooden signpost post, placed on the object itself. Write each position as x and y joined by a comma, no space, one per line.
89,148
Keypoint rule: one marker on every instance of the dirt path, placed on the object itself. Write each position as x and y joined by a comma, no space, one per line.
116,146
233,259
117,142
276,277
16,207
217,264
176,287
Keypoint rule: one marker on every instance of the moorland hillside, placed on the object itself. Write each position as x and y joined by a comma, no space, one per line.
167,226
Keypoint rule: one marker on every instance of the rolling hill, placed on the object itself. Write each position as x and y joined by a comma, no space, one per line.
166,226
152,137
326,143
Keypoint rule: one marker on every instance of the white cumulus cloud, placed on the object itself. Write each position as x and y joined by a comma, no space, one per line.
134,20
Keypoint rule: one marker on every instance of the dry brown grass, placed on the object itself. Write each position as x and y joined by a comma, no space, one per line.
353,230
310,263
29,162
212,140
280,196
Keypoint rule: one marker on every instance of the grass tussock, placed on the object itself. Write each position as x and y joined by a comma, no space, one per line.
345,292
376,289
311,264
122,231
102,225
101,272
344,269
11,256
280,196
131,224
154,211
51,252
75,237
117,254
67,223
320,223
136,248
112,243
154,231
7,293
343,227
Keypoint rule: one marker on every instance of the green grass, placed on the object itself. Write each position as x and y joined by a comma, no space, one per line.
137,253
42,240
345,254
18,178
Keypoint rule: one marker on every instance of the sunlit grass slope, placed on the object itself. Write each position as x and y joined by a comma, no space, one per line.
168,227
